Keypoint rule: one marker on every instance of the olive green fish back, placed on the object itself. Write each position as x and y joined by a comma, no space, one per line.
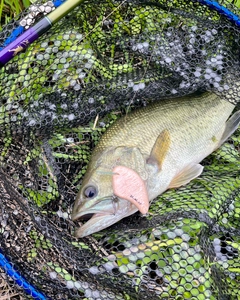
57,98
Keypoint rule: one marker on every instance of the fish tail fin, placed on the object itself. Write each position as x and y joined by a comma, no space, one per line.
231,125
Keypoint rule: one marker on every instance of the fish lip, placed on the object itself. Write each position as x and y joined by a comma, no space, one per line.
75,216
88,227
104,213
103,216
97,222
81,214
85,229
78,213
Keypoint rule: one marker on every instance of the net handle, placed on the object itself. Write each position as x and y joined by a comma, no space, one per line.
21,281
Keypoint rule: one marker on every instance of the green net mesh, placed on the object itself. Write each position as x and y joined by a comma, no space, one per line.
56,100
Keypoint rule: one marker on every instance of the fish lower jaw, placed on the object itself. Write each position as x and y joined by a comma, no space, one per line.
97,222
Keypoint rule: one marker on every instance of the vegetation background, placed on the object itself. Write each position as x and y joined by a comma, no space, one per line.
8,10
11,8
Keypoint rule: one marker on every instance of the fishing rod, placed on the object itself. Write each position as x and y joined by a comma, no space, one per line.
35,10
33,33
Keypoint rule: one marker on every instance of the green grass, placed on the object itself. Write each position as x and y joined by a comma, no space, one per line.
11,8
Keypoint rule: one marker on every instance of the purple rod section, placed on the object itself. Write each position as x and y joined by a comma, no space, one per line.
22,42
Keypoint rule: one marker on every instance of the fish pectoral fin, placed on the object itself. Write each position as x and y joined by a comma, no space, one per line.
186,175
231,125
160,149
128,185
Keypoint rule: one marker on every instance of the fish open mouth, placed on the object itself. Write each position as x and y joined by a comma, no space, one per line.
85,218
90,223
103,206
97,215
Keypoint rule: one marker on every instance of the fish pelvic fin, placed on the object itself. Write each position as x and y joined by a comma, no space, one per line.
160,149
231,125
186,175
128,185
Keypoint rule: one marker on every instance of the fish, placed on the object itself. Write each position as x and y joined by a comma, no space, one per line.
148,151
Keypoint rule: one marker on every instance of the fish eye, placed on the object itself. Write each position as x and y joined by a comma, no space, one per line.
90,191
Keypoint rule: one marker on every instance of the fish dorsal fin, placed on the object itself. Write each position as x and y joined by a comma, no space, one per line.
231,125
127,184
160,149
186,175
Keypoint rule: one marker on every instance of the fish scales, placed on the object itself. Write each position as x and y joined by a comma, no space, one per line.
147,152
194,116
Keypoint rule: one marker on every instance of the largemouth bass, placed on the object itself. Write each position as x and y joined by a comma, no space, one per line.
147,152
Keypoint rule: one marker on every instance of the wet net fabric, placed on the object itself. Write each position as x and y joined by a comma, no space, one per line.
56,100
